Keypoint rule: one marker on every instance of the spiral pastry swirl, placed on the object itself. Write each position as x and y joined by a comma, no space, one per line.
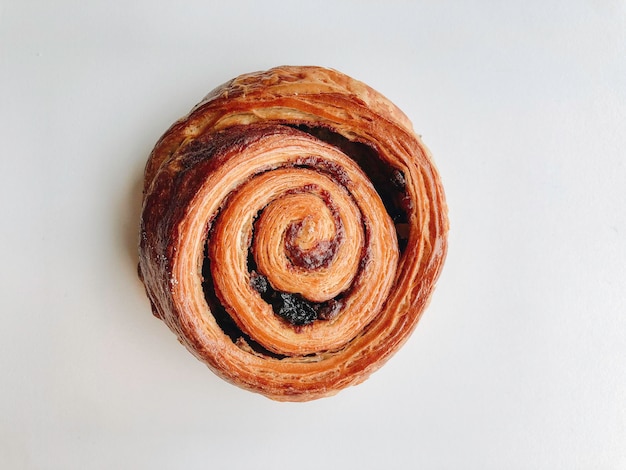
292,231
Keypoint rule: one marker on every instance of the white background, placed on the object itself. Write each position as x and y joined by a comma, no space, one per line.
520,361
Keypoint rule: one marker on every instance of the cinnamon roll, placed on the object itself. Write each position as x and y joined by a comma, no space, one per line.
292,232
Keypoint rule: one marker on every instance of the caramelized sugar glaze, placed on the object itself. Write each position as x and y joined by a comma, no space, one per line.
292,232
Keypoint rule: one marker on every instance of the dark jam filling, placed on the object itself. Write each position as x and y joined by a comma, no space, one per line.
223,319
293,308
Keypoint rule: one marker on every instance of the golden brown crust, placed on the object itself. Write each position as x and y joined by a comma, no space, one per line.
314,184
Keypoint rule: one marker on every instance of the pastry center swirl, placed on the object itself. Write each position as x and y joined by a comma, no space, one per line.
300,236
293,251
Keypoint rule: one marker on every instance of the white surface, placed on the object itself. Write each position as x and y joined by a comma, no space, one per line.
520,361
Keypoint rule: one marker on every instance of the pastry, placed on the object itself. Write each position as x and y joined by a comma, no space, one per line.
292,231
